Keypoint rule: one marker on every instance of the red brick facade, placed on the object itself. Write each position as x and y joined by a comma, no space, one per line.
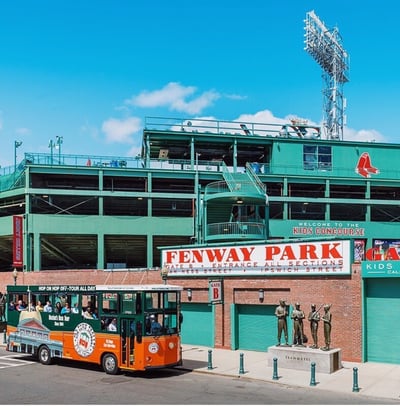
343,292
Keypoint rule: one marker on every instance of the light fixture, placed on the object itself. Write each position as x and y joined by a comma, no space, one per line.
239,201
261,295
164,275
59,141
189,294
17,144
15,275
51,145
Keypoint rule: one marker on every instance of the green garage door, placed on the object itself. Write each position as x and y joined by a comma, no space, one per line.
198,324
256,327
383,320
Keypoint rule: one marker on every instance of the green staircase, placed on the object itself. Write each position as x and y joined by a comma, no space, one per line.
247,183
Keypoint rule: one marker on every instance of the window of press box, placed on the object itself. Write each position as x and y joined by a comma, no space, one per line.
317,157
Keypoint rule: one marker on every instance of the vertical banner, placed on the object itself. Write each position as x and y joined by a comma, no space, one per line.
359,251
18,257
215,291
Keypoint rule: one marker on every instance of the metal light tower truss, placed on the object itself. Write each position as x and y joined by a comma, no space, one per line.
326,48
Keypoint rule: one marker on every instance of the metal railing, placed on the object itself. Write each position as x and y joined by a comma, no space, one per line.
287,130
236,230
251,173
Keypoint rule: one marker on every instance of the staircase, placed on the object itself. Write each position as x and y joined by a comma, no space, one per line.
246,183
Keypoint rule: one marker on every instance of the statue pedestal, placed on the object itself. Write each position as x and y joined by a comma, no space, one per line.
301,358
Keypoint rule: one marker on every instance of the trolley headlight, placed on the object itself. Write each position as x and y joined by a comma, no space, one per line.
171,345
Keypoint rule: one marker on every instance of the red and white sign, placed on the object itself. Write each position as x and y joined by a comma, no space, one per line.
364,166
18,258
215,291
301,258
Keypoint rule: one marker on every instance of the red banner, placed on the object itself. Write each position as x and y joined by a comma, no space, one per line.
18,234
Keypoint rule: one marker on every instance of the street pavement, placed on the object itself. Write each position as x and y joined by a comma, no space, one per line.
369,378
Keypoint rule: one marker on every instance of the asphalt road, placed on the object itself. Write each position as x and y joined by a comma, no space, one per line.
24,381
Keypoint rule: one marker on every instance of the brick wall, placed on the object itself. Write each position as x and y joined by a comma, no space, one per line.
343,292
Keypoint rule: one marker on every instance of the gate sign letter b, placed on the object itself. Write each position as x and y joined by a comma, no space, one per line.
215,291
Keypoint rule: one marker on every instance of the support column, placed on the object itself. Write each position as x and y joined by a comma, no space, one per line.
100,251
37,253
150,251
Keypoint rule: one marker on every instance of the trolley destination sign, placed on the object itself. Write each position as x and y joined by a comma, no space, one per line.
310,258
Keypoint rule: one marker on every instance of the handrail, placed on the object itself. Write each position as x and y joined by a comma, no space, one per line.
230,180
251,173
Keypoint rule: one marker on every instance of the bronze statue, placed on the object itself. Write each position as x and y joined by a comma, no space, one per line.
327,319
297,316
313,318
281,313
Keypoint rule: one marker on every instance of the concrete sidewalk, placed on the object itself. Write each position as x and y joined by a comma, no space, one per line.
371,379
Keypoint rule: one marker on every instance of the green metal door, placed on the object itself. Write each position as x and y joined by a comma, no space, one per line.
256,327
383,320
198,324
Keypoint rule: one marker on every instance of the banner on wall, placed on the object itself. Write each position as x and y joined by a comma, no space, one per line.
18,258
298,258
359,251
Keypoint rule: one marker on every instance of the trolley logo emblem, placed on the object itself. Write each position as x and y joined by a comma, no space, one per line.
153,348
84,339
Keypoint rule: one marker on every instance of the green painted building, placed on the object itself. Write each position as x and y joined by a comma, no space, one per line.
197,182
205,182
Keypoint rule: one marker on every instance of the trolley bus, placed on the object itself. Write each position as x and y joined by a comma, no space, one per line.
120,327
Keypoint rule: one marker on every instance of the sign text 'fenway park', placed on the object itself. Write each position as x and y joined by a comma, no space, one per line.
306,258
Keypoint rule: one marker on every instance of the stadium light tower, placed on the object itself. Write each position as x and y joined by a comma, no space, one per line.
325,47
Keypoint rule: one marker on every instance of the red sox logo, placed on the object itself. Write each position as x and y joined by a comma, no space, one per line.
364,167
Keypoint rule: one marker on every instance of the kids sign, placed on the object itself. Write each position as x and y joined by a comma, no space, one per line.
301,258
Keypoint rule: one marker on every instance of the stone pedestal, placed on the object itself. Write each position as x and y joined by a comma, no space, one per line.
301,358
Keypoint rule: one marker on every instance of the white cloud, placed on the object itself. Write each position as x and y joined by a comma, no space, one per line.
184,99
121,131
134,151
23,131
262,123
349,134
175,97
235,97
91,130
264,116
363,135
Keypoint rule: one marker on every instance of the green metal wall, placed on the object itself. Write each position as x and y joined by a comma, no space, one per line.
198,324
382,314
255,327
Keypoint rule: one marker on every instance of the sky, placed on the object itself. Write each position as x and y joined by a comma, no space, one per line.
91,71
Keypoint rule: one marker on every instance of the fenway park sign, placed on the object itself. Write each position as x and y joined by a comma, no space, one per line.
307,258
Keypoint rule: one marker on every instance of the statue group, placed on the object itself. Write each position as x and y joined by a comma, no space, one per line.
298,316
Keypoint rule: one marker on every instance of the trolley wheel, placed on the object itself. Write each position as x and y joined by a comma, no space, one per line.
110,364
44,355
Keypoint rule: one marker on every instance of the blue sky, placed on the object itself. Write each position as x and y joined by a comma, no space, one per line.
92,70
